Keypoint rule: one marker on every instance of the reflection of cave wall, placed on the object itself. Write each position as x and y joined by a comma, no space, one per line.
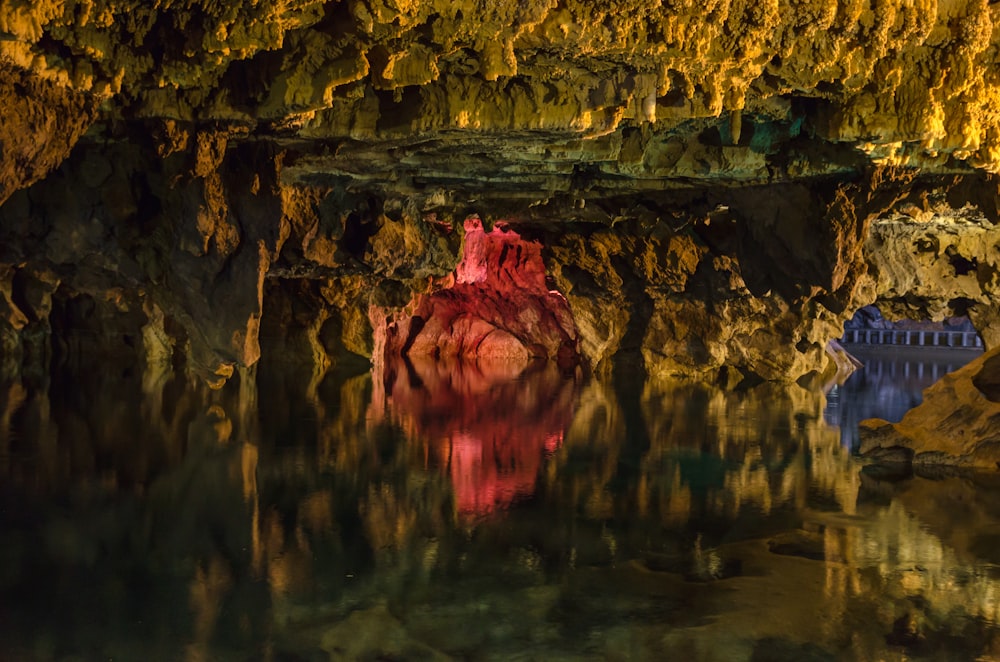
319,493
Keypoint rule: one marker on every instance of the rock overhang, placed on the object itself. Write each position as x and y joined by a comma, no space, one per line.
902,81
712,170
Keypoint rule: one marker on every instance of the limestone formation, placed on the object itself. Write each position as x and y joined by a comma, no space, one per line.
708,190
903,80
40,123
958,422
496,306
928,263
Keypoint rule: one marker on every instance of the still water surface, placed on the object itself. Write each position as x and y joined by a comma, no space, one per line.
467,513
890,383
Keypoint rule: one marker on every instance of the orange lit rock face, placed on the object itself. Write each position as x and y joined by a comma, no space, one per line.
902,78
497,307
39,124
958,422
486,425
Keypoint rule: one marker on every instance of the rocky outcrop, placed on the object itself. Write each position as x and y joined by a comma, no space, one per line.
496,306
957,423
40,123
933,261
707,191
929,262
107,227
205,254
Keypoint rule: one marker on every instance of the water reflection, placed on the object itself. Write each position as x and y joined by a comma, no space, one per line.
890,383
489,425
464,512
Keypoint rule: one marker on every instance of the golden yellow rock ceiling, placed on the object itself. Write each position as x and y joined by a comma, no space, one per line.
715,186
907,81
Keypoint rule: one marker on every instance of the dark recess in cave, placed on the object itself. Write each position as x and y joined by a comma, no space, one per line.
357,232
987,380
960,264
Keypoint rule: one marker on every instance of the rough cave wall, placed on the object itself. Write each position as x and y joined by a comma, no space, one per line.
496,306
205,254
882,72
702,178
40,123
933,261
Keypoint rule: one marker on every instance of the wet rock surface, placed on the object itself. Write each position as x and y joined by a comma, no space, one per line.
958,422
712,191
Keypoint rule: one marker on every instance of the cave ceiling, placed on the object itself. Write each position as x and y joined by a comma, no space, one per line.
536,102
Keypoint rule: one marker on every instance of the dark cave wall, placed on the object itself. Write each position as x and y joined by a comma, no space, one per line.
189,241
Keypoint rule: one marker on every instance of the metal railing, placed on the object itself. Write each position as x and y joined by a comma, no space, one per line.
957,339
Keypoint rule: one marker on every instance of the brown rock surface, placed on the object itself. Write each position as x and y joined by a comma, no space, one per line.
934,263
958,422
711,189
40,122
902,78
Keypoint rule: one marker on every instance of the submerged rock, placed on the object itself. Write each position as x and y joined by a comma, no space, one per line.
957,423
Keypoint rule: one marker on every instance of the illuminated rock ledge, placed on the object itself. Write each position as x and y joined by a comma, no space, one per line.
712,190
958,422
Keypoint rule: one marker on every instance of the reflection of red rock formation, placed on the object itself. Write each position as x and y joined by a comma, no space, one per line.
489,427
497,307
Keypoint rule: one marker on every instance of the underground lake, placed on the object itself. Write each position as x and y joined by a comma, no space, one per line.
469,513
511,330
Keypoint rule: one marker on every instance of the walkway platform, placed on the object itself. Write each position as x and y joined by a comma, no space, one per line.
953,339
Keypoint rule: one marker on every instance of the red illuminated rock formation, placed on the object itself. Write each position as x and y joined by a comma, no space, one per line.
495,306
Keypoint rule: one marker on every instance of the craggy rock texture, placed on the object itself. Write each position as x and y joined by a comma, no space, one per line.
928,262
708,189
754,280
958,422
496,306
39,124
905,80
203,253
